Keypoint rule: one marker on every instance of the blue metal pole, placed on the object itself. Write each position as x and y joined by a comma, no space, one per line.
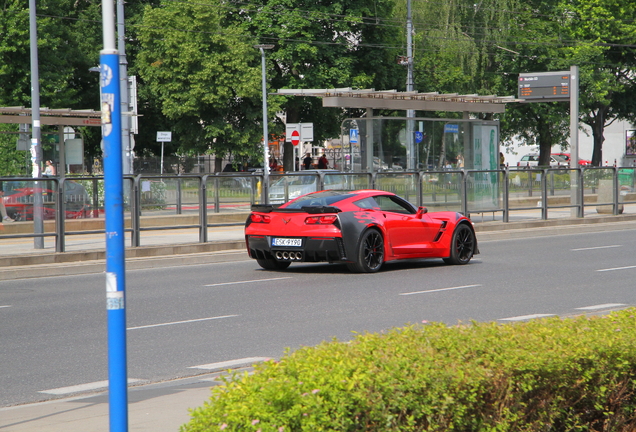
114,222
115,249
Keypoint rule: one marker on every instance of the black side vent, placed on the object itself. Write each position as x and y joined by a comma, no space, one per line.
441,231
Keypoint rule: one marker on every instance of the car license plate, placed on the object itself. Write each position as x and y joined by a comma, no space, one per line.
294,242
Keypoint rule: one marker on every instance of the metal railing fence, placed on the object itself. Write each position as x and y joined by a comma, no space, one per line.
498,192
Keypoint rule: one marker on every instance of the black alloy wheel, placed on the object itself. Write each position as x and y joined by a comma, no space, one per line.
462,246
370,253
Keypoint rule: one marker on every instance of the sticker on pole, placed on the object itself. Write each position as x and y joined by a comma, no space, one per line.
106,75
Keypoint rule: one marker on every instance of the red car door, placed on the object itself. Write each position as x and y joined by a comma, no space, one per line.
407,232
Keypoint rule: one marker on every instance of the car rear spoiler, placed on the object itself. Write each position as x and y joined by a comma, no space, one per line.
263,208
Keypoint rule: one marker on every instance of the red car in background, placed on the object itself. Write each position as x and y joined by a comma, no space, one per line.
363,229
19,202
566,156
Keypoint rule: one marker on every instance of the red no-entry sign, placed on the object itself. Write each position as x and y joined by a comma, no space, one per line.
295,137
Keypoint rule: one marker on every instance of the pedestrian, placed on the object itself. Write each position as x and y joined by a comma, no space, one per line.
460,161
307,161
323,163
3,209
49,171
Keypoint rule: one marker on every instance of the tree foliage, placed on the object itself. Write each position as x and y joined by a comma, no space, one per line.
204,76
601,35
327,44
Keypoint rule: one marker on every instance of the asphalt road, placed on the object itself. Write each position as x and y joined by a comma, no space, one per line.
180,319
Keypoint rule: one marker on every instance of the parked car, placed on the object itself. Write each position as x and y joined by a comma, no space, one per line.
19,202
363,229
566,156
532,160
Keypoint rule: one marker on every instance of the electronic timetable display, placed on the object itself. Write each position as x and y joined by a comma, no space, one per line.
544,86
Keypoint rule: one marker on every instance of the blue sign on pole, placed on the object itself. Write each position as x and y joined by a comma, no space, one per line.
115,246
353,136
419,136
451,128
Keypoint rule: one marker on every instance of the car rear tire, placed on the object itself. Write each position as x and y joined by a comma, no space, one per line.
272,264
370,255
462,246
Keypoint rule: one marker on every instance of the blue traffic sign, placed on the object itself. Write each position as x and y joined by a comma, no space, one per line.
451,128
419,136
353,136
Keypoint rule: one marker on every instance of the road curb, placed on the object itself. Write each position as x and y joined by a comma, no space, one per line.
150,257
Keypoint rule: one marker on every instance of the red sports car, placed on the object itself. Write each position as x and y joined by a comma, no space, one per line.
363,229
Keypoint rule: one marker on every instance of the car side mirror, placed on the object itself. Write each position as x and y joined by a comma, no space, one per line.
421,211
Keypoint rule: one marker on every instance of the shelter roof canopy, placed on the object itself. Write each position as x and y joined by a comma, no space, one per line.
394,100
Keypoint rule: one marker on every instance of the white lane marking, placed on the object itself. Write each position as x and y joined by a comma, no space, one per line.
598,247
83,387
247,361
181,322
5,306
248,281
440,289
601,306
526,317
616,268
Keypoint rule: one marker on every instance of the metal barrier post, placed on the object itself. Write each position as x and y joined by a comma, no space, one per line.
286,189
95,198
60,216
179,203
551,183
135,212
615,191
506,197
544,194
581,203
465,193
203,209
420,193
252,189
217,198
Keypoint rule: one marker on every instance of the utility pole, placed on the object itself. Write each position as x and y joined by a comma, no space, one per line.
123,80
36,135
411,163
110,85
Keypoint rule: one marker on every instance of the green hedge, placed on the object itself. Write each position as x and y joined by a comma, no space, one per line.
574,374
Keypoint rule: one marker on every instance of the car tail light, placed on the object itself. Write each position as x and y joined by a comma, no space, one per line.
324,220
258,218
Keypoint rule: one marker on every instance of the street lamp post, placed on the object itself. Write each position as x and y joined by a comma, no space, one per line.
265,187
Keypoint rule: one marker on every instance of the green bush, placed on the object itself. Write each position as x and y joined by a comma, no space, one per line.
544,375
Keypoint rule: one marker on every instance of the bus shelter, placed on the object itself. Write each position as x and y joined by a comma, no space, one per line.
54,117
372,144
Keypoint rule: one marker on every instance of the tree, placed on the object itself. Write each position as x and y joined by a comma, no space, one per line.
65,54
327,44
204,77
602,35
533,45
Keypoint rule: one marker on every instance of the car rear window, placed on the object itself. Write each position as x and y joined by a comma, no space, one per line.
324,198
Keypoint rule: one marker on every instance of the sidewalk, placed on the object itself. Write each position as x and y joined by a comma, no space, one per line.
162,407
